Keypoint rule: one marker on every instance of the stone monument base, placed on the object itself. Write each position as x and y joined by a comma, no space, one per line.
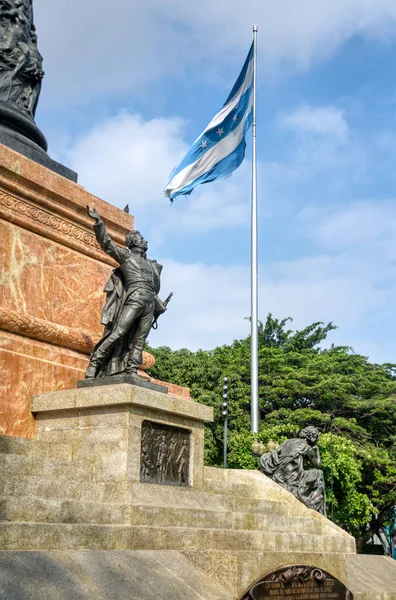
123,378
120,469
19,132
36,154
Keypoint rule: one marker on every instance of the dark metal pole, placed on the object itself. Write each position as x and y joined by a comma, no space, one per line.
224,412
225,442
332,417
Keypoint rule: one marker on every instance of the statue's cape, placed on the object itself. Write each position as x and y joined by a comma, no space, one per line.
283,456
115,291
116,297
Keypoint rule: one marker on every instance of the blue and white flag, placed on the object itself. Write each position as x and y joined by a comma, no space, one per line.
220,149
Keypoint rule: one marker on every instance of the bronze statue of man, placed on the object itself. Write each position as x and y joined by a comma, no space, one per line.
285,466
21,64
132,304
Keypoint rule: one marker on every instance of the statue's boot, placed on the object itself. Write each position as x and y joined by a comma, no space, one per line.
135,359
96,361
91,371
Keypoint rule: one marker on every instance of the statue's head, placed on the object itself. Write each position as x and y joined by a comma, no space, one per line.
310,433
134,239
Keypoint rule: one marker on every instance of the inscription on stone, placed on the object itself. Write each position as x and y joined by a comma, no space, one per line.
165,455
299,583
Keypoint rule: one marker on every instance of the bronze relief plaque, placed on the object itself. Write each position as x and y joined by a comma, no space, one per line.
299,583
165,455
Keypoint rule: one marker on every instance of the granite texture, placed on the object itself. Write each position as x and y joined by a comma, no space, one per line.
106,423
376,575
118,395
77,486
96,575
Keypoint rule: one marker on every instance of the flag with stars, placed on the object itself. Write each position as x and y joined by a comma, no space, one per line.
220,149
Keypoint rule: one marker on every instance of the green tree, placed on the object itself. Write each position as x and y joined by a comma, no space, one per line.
301,383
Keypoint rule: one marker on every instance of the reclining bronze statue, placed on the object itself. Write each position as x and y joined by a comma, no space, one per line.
285,466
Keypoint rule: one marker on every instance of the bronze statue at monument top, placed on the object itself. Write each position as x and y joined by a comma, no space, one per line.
285,466
21,64
132,306
21,75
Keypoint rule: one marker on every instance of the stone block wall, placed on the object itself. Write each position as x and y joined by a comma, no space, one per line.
77,486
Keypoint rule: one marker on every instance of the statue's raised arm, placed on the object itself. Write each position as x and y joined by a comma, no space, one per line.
93,213
106,243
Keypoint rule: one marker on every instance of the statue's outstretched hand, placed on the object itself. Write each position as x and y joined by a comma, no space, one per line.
93,214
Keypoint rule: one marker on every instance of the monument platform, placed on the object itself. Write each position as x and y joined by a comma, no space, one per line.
123,378
120,469
52,276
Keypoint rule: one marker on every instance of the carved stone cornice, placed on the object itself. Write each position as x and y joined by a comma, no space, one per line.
43,221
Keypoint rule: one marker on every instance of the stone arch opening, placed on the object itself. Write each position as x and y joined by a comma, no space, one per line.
298,582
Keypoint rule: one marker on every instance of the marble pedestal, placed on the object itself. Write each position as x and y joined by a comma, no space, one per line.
51,281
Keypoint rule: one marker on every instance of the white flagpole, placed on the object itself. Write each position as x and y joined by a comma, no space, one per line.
254,257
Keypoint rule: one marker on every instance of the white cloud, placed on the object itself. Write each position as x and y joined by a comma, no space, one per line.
369,224
209,305
322,158
211,301
92,48
126,157
127,160
321,121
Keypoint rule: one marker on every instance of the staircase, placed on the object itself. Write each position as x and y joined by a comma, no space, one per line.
72,499
50,500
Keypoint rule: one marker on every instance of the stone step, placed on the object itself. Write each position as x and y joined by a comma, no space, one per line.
84,490
46,510
60,489
158,516
231,489
21,468
170,496
24,447
20,455
221,519
55,510
160,495
62,510
254,505
20,465
40,536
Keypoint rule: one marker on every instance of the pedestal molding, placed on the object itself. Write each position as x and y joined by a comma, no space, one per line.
121,395
45,222
46,331
52,201
65,337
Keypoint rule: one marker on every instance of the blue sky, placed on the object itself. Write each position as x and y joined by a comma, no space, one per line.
129,88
